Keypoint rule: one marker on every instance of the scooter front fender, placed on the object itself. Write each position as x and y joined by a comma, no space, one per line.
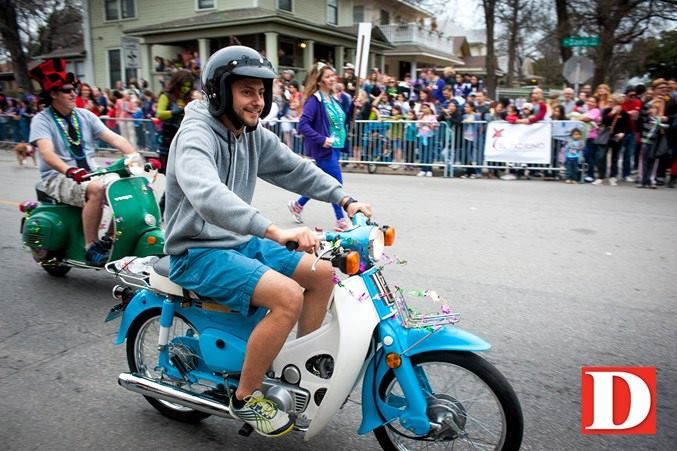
445,339
142,301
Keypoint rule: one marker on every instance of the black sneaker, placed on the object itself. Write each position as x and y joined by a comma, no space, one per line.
98,252
262,414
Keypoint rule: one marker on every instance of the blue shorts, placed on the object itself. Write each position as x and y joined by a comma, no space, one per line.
229,276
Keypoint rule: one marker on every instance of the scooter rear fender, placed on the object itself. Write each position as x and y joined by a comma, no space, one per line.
445,339
142,301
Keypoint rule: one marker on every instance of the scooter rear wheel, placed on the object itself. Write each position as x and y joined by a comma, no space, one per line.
51,263
467,396
143,355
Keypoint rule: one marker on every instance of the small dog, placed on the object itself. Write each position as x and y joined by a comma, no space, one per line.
23,152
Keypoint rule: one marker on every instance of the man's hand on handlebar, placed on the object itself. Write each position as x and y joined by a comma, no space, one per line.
359,206
307,239
78,175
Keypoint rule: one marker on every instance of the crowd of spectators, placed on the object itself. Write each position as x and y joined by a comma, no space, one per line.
422,103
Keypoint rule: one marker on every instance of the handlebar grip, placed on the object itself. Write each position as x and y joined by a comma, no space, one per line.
291,245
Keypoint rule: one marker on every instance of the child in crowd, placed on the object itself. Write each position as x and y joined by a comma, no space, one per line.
573,152
426,127
410,132
654,145
512,114
395,134
470,138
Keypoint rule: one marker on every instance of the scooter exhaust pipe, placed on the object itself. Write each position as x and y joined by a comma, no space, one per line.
166,392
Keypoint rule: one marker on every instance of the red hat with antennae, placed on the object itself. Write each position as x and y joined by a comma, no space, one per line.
51,74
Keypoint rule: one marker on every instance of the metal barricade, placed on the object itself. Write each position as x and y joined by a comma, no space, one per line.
452,149
143,134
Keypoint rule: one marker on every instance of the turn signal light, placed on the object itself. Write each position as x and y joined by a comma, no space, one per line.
388,236
27,206
352,263
393,360
151,240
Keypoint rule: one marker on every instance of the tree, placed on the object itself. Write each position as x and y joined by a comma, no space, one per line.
489,21
9,30
662,62
618,23
31,27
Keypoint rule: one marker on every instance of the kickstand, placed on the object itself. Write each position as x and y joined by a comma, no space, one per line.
246,430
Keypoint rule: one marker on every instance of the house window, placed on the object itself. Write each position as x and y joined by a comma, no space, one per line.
385,17
206,4
120,9
114,66
332,12
284,5
358,13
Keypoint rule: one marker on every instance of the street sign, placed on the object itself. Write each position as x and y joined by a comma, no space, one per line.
580,41
362,56
578,69
132,52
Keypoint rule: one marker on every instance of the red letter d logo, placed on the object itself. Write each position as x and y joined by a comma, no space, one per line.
618,400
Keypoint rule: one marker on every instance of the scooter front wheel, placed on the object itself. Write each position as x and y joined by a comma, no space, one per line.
143,357
470,405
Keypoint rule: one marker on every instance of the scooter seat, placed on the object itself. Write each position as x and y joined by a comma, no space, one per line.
159,280
43,196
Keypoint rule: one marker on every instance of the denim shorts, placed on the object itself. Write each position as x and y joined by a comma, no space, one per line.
229,276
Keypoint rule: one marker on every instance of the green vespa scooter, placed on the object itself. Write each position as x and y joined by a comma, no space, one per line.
53,232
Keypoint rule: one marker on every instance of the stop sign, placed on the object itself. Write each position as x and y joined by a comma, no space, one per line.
578,69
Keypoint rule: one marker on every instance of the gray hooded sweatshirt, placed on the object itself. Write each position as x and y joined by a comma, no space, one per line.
211,177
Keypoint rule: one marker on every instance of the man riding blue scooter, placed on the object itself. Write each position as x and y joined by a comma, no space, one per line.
223,248
66,139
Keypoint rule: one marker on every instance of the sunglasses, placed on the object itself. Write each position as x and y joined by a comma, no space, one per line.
67,90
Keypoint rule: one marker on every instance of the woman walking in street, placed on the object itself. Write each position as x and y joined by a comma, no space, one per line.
323,126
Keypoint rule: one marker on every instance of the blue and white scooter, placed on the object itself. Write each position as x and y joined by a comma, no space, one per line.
423,385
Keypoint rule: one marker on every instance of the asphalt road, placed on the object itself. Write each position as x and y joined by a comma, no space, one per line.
555,276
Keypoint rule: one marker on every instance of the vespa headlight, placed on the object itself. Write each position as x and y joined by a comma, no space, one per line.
135,164
376,244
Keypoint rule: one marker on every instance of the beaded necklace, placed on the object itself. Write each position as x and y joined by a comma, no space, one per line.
74,145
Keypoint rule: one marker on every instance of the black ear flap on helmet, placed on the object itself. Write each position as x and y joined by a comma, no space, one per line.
231,63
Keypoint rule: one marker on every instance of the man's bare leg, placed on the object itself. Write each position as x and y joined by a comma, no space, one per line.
92,211
319,286
284,298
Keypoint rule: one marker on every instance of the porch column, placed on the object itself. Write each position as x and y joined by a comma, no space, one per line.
203,51
413,70
338,58
308,55
272,48
146,67
351,57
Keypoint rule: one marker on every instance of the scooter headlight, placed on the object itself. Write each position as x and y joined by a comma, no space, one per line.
376,244
135,164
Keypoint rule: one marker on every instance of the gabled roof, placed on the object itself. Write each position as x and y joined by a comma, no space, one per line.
68,52
251,16
478,65
460,46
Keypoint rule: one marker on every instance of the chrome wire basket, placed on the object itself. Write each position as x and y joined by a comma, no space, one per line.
411,319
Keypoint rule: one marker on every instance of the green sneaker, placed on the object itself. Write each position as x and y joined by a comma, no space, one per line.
263,415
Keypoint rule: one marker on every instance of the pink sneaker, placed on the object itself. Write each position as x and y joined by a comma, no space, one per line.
343,224
295,209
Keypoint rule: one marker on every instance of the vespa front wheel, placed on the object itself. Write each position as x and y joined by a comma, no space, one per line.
143,357
470,405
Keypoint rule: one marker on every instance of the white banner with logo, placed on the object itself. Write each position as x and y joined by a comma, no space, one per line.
518,143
